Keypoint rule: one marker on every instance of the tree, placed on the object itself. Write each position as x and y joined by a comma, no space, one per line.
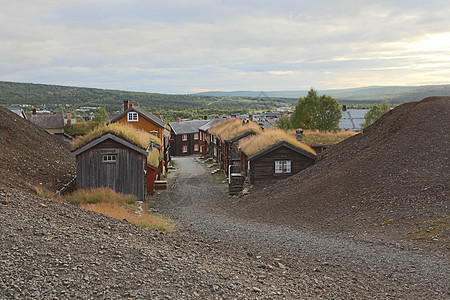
316,112
284,123
374,113
100,115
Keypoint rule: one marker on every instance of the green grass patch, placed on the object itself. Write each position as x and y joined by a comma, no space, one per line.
218,177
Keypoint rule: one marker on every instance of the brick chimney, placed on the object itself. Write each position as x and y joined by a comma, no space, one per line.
299,135
344,107
34,111
205,117
250,117
131,105
125,105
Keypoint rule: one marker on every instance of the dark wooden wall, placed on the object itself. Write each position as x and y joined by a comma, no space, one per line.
262,169
179,143
126,175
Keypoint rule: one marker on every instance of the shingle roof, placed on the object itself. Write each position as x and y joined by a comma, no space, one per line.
149,116
187,127
211,123
47,121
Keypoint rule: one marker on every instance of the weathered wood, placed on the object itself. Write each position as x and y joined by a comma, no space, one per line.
125,175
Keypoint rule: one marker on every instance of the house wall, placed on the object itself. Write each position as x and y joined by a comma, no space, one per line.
179,143
126,175
147,126
262,169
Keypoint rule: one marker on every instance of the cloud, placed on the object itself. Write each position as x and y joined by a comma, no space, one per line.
176,46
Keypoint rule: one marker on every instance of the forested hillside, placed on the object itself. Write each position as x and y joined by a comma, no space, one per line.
170,106
393,94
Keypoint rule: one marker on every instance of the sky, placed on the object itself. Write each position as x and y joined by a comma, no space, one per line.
182,47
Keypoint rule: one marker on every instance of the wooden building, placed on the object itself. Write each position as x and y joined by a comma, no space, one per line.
185,137
205,144
118,157
225,138
150,123
280,157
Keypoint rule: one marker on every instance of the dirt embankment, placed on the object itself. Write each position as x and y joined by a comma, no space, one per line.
385,180
30,157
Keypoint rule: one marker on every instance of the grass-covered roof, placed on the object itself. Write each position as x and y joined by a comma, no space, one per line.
126,132
259,142
316,137
232,128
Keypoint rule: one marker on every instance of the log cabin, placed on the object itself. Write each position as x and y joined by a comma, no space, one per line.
273,155
118,157
185,137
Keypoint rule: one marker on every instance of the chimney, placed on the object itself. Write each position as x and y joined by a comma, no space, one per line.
131,105
205,117
34,111
299,135
125,105
69,119
344,107
250,117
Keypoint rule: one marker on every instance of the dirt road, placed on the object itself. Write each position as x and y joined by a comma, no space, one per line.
346,266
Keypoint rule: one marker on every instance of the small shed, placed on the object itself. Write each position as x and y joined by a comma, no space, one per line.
113,161
272,156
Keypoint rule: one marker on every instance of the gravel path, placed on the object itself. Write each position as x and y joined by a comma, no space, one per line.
347,267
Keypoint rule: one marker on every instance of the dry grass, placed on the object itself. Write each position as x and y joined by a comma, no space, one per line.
127,132
232,128
120,212
259,142
154,157
100,195
437,230
119,206
317,137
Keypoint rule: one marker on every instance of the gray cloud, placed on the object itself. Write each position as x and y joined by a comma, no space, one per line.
179,46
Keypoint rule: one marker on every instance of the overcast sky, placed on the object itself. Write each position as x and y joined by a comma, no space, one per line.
187,46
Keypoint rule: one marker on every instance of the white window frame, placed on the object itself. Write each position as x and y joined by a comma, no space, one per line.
109,158
184,137
184,149
195,147
283,167
195,136
133,116
154,132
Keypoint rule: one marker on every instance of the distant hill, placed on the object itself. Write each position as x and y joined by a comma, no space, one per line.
393,94
170,106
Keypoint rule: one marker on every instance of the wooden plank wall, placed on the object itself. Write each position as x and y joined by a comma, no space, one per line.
126,175
263,168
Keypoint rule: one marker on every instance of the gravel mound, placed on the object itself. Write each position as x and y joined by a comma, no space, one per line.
381,183
30,157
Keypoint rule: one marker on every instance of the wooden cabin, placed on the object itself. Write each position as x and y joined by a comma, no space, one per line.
273,155
185,137
206,149
225,140
119,157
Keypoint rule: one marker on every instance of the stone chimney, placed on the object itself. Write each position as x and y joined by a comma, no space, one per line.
34,111
299,135
69,119
125,105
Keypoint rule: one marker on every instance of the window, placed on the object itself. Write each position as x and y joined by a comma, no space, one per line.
196,136
196,147
282,166
184,149
109,158
154,132
184,137
133,117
